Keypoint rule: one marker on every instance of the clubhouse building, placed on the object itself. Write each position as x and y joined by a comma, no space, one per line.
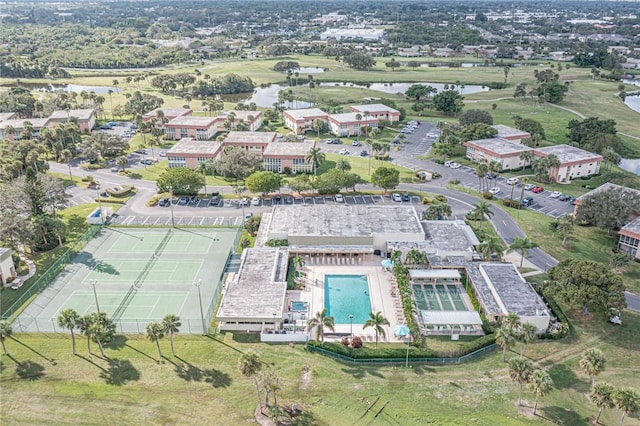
350,123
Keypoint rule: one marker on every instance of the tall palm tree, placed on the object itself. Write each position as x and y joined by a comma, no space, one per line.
520,369
204,167
541,384
506,340
524,181
377,322
249,365
343,164
491,246
528,334
526,157
483,211
69,319
316,157
321,321
5,332
627,400
481,172
171,324
358,119
84,323
592,362
155,332
601,395
522,244
66,156
564,226
122,162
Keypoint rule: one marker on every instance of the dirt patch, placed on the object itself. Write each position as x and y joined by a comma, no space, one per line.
525,409
306,377
577,314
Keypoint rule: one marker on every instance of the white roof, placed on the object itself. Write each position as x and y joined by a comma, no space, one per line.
450,317
433,273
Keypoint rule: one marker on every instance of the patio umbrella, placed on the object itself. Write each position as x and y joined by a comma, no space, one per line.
401,330
387,263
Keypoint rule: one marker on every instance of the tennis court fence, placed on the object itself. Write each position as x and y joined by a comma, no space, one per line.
50,274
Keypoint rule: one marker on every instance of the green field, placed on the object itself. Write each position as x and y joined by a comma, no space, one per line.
43,383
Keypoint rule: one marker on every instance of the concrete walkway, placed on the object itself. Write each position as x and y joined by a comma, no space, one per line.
29,262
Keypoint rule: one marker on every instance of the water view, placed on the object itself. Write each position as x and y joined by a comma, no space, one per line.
67,88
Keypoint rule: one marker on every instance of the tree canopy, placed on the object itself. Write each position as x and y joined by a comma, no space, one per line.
385,177
237,163
263,182
449,102
472,116
477,131
609,208
180,181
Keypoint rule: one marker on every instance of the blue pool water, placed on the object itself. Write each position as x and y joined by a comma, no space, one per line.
346,295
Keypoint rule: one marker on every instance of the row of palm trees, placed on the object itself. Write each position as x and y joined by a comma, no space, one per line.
321,321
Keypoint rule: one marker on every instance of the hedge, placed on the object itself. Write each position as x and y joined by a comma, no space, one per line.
122,192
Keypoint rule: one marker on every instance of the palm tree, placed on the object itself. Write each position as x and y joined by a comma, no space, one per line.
321,320
526,157
69,319
416,257
155,332
483,211
84,323
541,384
564,225
122,162
627,400
315,157
491,246
377,322
523,182
171,325
522,244
358,119
481,172
505,339
511,322
592,362
343,164
520,369
65,157
528,334
317,125
249,365
601,396
5,332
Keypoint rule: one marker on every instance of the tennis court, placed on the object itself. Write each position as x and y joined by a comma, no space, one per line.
138,275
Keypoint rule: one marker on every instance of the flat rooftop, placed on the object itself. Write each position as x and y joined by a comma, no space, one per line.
450,235
344,220
169,112
304,113
633,226
610,186
506,131
259,289
288,148
6,115
242,115
18,123
569,154
192,146
510,291
250,137
80,114
499,146
351,117
427,274
372,108
190,120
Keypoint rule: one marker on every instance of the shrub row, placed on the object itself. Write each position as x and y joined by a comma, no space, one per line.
511,203
122,192
110,201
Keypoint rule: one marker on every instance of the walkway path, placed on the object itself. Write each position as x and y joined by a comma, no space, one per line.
29,262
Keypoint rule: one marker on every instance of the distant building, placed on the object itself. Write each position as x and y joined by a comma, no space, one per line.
379,111
12,129
505,152
369,34
347,124
574,162
190,153
629,239
167,113
7,268
300,121
510,134
188,126
86,118
250,141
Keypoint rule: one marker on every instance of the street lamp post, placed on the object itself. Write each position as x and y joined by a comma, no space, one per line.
239,190
198,284
95,295
173,223
100,204
351,325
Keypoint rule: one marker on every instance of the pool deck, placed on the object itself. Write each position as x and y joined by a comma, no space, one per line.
380,297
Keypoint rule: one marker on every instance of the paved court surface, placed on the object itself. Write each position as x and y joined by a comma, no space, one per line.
138,275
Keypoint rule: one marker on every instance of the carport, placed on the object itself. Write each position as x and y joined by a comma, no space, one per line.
332,255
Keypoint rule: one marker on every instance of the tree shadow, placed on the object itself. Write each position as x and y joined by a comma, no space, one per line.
140,352
358,372
29,370
562,416
117,342
217,378
226,344
133,175
120,372
565,378
191,373
91,362
50,360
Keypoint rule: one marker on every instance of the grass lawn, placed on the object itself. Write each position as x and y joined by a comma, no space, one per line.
360,166
43,382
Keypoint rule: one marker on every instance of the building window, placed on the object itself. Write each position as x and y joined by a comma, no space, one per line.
272,164
202,134
183,132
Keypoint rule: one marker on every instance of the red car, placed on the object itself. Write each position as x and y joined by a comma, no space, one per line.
537,189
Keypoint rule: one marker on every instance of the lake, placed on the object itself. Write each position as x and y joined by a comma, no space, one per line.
66,88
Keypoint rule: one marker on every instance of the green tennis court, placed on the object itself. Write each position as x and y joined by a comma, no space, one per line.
138,275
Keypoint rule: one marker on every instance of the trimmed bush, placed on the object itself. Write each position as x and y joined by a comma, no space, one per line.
487,195
122,192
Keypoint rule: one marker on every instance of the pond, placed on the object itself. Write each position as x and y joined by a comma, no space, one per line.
402,87
66,88
309,70
631,165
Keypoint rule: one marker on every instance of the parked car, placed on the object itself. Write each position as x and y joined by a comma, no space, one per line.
448,163
141,151
564,197
344,151
527,201
288,199
455,165
255,201
277,199
555,194
338,198
495,190
573,201
115,169
396,197
492,175
513,181
214,201
406,198
162,153
183,201
165,202
356,143
147,161
194,201
364,153
244,201
529,187
537,190
248,216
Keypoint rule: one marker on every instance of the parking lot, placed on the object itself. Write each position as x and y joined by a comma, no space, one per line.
542,202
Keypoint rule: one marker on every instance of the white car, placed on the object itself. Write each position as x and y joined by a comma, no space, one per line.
555,194
344,151
495,190
244,201
513,181
448,163
455,165
255,201
163,153
338,198
396,197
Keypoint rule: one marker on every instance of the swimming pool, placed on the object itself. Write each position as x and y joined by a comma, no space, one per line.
346,295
